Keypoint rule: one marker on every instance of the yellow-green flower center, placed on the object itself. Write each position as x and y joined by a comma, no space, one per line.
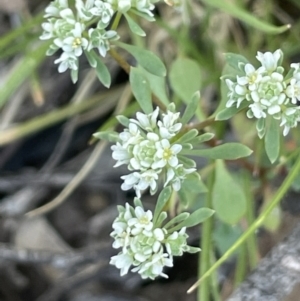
167,154
76,43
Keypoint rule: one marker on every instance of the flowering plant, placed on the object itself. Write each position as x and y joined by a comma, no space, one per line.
172,141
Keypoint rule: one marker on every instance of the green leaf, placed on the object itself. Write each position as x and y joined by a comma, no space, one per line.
146,59
191,188
162,216
185,78
22,71
229,200
272,139
141,89
157,85
123,120
228,151
107,135
102,71
191,108
273,220
203,138
134,27
226,235
163,199
91,59
188,136
177,219
195,218
138,203
187,162
234,60
246,17
227,113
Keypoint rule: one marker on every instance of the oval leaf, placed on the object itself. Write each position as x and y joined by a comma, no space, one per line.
102,71
185,78
163,199
272,139
246,17
191,108
146,59
228,151
157,85
141,89
227,113
229,200
134,27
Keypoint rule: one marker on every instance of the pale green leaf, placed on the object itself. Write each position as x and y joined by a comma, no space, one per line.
134,27
228,151
177,219
123,120
148,60
162,201
229,200
185,78
107,135
203,138
197,217
272,139
234,60
191,108
246,17
23,69
227,113
188,136
225,236
141,89
157,85
102,71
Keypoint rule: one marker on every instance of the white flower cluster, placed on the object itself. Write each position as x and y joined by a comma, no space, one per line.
70,30
267,91
145,247
67,30
148,147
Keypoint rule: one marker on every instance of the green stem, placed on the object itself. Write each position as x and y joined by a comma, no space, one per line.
258,222
116,21
251,241
206,245
241,267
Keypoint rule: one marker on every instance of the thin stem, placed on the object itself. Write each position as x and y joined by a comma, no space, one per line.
116,21
120,60
251,241
241,267
206,245
258,222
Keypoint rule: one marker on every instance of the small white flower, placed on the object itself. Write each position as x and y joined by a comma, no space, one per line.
54,8
123,262
154,268
166,154
293,90
169,126
120,153
100,39
141,181
146,122
144,6
84,9
103,10
67,61
268,60
175,176
75,43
